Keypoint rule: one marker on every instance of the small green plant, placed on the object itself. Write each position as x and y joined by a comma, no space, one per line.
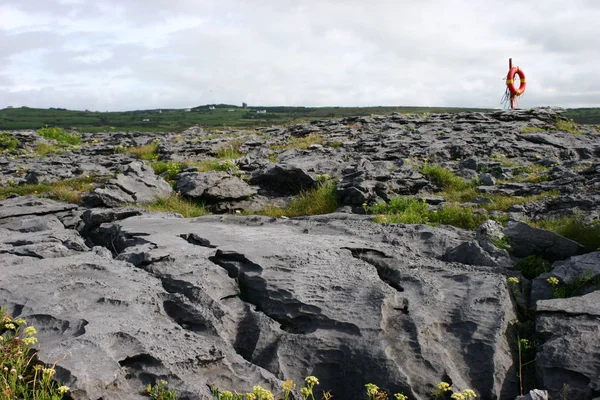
8,142
22,376
160,391
60,135
533,266
502,243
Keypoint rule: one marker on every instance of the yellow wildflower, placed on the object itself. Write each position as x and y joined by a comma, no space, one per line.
29,341
30,331
63,389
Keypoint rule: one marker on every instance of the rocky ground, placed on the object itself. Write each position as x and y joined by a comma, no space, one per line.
122,296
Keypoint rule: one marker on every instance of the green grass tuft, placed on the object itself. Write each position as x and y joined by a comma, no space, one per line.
320,200
445,178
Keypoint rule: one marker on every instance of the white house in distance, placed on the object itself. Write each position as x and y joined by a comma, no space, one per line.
211,107
261,111
187,110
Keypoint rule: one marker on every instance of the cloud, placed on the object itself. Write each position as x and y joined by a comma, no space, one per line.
114,55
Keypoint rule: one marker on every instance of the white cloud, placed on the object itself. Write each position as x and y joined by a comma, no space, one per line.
114,55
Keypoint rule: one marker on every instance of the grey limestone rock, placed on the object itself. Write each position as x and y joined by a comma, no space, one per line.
569,356
213,186
283,179
526,240
137,184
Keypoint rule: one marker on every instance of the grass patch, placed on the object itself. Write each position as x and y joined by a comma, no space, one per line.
148,152
568,126
170,168
8,142
177,204
45,149
302,143
320,200
22,375
503,203
231,151
407,210
60,135
574,228
67,190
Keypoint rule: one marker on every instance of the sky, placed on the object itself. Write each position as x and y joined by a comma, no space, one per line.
116,55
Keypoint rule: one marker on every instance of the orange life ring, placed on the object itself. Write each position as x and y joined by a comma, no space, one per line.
510,81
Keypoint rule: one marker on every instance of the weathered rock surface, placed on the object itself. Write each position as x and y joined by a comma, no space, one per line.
137,184
568,355
213,186
212,301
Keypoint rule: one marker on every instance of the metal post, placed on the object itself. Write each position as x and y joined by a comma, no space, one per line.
513,98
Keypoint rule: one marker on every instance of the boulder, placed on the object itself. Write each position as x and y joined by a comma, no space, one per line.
283,179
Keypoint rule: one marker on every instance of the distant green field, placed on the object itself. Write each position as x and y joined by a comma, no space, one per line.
221,115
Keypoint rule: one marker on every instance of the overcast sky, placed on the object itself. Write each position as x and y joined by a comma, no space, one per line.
110,55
